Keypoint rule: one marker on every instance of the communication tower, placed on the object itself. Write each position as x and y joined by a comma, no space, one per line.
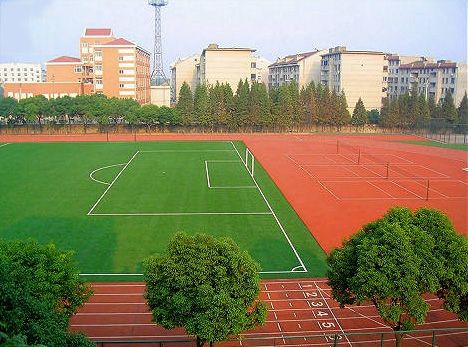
158,77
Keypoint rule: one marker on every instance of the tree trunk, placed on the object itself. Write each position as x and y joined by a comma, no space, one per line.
200,342
399,340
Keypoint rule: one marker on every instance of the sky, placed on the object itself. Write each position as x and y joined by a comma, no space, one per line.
39,30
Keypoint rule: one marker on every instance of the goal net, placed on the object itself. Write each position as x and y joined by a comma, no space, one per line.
249,162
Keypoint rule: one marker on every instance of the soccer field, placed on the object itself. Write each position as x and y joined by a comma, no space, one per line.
113,204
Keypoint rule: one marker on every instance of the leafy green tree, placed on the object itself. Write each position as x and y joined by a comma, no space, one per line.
185,104
373,116
40,290
344,116
403,103
203,114
241,104
424,111
262,108
462,110
359,117
149,115
393,261
309,104
449,112
432,107
206,285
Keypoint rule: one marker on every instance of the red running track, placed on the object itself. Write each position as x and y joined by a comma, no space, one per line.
117,311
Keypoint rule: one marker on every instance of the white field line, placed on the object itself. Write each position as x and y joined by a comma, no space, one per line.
102,168
222,187
181,213
207,174
112,183
333,314
187,150
274,215
5,144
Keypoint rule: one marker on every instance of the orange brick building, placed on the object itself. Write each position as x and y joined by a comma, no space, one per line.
113,67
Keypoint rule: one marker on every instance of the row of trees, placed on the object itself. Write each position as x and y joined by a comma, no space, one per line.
409,110
251,106
94,109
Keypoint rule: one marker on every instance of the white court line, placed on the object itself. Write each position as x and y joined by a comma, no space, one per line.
5,144
274,215
102,168
112,183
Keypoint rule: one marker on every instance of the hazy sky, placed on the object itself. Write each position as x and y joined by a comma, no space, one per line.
39,30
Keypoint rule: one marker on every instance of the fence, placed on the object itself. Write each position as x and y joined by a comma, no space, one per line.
443,131
446,337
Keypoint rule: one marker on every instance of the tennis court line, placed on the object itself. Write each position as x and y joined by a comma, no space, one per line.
186,150
5,144
274,216
112,183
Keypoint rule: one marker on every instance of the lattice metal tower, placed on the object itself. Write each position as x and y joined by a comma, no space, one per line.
158,77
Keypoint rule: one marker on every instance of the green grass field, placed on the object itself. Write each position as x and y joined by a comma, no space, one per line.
460,146
116,203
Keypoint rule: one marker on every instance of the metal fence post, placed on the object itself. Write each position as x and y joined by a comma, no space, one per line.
335,340
433,338
382,340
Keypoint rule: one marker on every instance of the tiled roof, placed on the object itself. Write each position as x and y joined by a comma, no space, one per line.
98,32
292,59
65,59
425,65
119,42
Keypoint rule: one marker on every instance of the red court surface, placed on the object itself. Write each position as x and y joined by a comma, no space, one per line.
300,313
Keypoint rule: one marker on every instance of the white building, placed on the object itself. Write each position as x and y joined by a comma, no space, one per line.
361,74
302,68
184,70
20,72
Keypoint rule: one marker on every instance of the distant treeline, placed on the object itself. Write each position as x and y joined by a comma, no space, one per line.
251,106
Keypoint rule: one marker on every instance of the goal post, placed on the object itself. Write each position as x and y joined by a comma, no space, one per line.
249,162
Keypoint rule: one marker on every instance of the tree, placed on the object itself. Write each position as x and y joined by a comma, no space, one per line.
373,116
241,104
203,115
463,110
359,117
449,112
206,285
185,104
40,290
393,261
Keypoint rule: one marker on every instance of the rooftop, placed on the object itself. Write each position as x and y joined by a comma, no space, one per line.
98,32
119,42
292,59
65,59
215,47
426,65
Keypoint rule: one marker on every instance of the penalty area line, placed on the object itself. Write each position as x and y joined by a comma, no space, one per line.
180,213
102,168
5,144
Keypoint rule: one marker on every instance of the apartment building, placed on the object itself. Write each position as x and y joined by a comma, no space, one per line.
122,69
184,70
302,68
112,66
394,61
218,64
228,65
20,72
361,74
428,77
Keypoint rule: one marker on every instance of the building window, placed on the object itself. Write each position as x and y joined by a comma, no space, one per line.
121,85
78,69
253,65
121,58
121,72
98,81
84,45
253,76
